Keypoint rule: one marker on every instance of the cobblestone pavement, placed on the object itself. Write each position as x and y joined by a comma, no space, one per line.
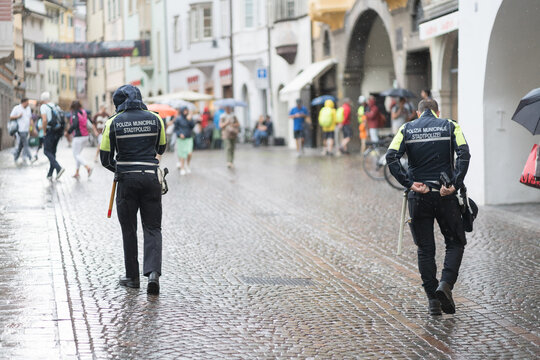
281,257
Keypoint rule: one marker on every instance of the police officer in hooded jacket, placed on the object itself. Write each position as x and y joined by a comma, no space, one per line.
132,139
430,143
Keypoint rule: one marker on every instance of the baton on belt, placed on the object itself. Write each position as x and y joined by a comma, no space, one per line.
402,222
113,192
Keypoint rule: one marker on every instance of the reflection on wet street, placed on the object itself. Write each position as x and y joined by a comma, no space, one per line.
281,257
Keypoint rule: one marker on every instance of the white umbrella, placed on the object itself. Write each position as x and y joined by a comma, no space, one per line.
181,95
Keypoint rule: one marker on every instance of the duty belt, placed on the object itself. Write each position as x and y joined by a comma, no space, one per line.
139,171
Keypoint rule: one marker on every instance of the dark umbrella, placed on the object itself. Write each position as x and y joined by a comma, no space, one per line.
399,92
528,112
321,99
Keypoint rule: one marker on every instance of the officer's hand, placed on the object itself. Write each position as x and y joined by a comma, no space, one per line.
445,191
182,136
420,187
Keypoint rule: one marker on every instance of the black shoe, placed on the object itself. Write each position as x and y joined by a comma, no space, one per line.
130,282
434,307
444,294
153,283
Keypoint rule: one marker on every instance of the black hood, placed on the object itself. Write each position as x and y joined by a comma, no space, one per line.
128,97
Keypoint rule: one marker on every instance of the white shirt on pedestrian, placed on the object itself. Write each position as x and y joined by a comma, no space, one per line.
24,120
46,109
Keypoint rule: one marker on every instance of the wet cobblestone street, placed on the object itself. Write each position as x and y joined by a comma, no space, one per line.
282,257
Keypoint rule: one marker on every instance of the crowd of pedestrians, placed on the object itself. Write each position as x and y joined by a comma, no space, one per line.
191,130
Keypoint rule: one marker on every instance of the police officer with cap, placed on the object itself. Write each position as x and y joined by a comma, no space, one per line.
430,143
136,135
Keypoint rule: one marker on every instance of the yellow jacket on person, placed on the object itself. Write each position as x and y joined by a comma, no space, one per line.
327,116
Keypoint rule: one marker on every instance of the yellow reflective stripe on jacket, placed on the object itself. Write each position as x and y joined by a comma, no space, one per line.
460,138
105,139
162,136
398,139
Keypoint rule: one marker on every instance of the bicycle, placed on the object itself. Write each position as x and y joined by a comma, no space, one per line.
374,158
390,179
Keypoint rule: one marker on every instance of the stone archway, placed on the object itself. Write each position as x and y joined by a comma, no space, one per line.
445,74
369,63
369,66
512,69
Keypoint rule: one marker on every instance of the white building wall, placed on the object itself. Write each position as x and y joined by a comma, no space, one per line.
499,147
297,32
250,49
34,25
52,67
203,59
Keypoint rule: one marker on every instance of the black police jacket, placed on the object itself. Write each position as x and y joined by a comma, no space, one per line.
134,133
430,143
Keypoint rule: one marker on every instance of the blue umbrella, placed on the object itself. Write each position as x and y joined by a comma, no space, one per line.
229,102
321,99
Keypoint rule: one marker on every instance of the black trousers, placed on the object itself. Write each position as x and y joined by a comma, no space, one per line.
140,191
424,209
50,143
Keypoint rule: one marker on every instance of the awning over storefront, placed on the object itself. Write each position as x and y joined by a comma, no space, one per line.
306,77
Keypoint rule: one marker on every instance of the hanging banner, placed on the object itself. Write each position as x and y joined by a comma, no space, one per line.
85,50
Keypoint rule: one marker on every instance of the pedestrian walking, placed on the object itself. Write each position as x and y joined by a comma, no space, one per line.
183,128
99,120
136,136
430,143
23,114
298,114
40,135
230,127
373,118
79,127
328,120
53,129
362,120
216,134
400,114
344,119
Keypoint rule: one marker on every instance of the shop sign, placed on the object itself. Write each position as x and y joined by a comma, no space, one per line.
439,26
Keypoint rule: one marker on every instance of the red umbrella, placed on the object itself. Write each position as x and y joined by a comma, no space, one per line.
163,110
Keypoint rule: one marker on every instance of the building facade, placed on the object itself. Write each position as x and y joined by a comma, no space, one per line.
290,54
497,66
34,16
7,70
95,67
115,75
79,24
199,47
251,60
52,66
66,33
145,20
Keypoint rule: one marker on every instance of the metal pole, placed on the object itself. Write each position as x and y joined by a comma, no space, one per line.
402,222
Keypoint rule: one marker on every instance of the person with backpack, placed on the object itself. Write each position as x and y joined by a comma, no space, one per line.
328,120
343,115
53,129
79,128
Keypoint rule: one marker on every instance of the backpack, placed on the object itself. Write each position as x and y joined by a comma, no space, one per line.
325,117
56,123
340,115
